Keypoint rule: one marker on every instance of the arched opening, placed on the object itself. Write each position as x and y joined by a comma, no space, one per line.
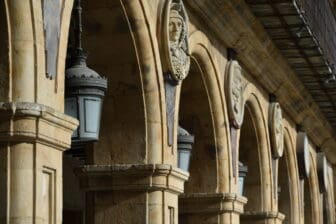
249,156
328,200
326,209
196,117
284,187
308,205
108,39
198,120
4,54
111,52
288,182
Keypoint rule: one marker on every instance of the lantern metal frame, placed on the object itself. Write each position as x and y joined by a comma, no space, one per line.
243,170
84,89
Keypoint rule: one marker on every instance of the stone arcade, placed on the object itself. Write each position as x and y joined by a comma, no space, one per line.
248,84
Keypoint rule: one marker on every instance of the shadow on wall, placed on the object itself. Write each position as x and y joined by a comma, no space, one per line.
4,54
284,183
196,117
249,156
198,121
108,40
307,206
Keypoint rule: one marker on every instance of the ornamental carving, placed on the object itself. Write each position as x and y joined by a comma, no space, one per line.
176,43
276,130
234,79
303,154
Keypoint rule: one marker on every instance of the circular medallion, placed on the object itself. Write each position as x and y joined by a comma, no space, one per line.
303,154
276,130
234,93
176,45
322,171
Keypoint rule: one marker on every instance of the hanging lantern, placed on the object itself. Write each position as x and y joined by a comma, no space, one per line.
242,174
84,94
84,91
184,145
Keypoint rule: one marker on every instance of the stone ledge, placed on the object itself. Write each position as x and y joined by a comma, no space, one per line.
211,203
263,215
134,177
31,122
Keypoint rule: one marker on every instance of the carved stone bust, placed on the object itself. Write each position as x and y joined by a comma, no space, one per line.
234,79
276,130
177,46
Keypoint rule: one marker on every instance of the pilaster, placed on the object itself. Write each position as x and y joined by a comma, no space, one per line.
32,140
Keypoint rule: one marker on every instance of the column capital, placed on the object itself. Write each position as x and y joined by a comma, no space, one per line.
132,177
211,203
32,122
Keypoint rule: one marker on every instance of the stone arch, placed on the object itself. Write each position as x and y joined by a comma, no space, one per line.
288,168
259,178
208,76
132,121
121,42
5,49
328,199
65,19
312,196
326,207
28,80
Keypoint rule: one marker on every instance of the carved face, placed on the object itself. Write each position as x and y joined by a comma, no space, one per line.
175,29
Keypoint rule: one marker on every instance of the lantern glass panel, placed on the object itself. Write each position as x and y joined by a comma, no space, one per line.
241,184
183,159
71,109
89,112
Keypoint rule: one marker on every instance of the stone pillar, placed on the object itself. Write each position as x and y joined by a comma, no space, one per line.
32,140
140,194
211,208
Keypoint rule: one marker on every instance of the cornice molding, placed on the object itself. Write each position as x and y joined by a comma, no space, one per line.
211,203
31,122
132,177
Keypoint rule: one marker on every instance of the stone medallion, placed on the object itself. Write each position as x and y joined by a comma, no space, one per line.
303,154
322,171
276,130
234,93
176,45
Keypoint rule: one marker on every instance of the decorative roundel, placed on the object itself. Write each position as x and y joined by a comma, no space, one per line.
276,130
322,171
303,154
175,40
234,93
